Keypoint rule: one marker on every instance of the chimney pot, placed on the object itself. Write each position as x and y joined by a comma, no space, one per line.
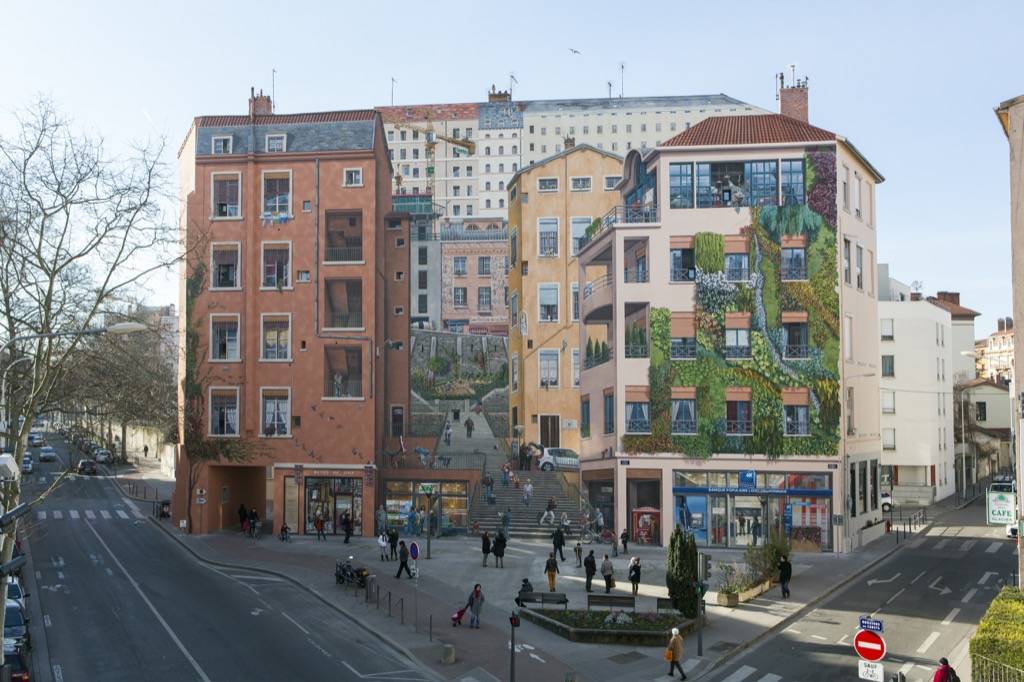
570,142
1009,323
793,101
915,295
1001,324
259,105
949,296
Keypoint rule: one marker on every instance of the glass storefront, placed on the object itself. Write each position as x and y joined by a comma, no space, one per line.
400,497
738,509
329,498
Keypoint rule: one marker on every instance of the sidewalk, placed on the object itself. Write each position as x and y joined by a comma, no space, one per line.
446,579
143,479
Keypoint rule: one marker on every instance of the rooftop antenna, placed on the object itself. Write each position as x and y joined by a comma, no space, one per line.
917,285
781,84
622,79
393,81
511,79
609,89
273,90
792,75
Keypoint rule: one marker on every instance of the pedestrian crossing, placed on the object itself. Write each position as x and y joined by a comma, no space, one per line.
948,545
746,673
88,514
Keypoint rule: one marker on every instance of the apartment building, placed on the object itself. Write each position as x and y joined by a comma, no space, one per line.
994,353
553,204
756,403
474,276
295,323
917,376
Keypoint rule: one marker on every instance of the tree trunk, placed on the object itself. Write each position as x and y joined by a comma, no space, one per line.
124,441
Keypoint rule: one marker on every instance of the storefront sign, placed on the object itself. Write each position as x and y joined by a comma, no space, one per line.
748,479
369,473
787,519
741,490
1000,508
426,488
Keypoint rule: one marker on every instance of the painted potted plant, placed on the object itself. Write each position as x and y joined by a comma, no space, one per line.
729,585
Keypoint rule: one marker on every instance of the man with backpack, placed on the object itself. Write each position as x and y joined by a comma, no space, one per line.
945,673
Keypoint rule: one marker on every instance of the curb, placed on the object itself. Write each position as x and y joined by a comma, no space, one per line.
807,608
313,593
116,478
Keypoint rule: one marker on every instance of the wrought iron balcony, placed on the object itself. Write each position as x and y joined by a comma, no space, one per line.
637,350
634,275
795,351
737,352
342,387
631,215
684,426
683,349
794,271
684,274
343,320
343,254
638,426
739,427
737,274
596,359
797,428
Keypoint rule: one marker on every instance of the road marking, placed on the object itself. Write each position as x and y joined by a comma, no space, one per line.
949,619
876,581
741,674
46,620
919,576
122,514
89,514
110,573
967,597
39,575
58,673
73,513
907,667
137,514
268,578
181,647
770,677
819,637
842,640
795,632
41,515
984,579
966,547
943,591
928,642
105,514
295,622
57,514
942,543
893,597
994,547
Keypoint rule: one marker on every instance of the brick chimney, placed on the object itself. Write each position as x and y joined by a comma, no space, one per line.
793,99
1009,323
570,142
915,295
259,105
496,95
949,296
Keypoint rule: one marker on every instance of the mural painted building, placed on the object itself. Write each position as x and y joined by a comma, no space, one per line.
738,392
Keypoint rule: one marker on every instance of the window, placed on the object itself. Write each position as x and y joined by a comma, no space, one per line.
887,329
682,265
683,348
459,297
610,181
224,338
579,225
456,191
794,264
391,136
421,303
487,203
548,363
456,209
980,411
344,237
888,439
684,416
615,128
874,484
276,265
575,301
402,135
469,133
585,418
459,264
888,366
737,343
888,402
547,229
225,266
343,304
422,255
846,261
276,410
680,185
846,188
638,417
797,420
277,197
483,299
515,371
226,196
221,144
581,184
223,411
792,182
354,176
415,153
343,372
796,335
397,421
276,143
483,265
548,298
501,203
514,312
848,338
738,418
737,267
609,413
275,334
856,194
860,267
547,184
455,133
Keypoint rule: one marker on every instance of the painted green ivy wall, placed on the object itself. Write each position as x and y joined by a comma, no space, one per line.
766,373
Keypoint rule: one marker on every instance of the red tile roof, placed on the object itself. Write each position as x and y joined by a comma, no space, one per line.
982,381
956,311
754,129
281,119
430,112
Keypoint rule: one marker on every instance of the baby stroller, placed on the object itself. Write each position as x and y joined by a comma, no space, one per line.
457,616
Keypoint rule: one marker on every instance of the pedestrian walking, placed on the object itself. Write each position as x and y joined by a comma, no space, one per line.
608,573
674,654
243,517
558,540
551,570
599,521
527,492
485,546
634,573
393,543
498,549
448,433
564,523
252,519
318,526
382,519
590,568
346,524
785,575
145,451
506,472
506,522
476,605
410,522
549,512
382,543
403,560
945,673
523,454
625,538
469,427
578,550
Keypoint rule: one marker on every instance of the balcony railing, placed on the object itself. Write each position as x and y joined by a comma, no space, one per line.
797,351
684,426
794,271
343,254
797,428
343,320
633,214
638,426
461,234
597,284
737,352
596,359
340,387
684,274
683,349
631,275
737,274
637,350
739,427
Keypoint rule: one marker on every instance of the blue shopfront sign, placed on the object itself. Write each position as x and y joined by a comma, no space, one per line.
743,490
787,519
748,478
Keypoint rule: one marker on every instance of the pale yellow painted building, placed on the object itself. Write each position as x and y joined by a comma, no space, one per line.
551,204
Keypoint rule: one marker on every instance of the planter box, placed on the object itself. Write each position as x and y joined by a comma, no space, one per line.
618,636
755,591
805,546
731,600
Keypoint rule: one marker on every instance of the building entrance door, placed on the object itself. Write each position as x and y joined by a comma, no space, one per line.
549,431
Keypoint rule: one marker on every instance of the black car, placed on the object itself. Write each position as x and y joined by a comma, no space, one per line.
16,659
87,467
16,624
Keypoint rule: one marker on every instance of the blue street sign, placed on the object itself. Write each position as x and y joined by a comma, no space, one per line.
787,519
748,478
870,624
414,551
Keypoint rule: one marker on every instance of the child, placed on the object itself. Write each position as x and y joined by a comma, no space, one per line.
382,543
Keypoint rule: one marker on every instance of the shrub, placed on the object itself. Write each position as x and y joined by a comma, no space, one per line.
763,562
1000,635
681,572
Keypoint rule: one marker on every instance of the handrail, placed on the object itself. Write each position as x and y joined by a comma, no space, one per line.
597,284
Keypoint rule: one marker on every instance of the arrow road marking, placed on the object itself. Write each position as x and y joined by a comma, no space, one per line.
967,597
875,581
536,657
984,578
928,642
994,547
949,619
943,591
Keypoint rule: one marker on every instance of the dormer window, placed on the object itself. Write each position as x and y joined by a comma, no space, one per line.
221,144
277,143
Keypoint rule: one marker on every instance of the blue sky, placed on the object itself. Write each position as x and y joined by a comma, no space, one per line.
912,84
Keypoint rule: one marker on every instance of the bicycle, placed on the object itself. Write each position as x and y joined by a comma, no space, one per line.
605,537
254,531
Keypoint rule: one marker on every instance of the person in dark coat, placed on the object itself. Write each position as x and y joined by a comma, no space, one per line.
485,546
403,560
634,574
785,575
625,538
346,523
590,566
523,589
558,540
469,427
243,516
393,542
498,549
578,550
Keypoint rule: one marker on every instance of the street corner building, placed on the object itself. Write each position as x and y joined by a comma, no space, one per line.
729,322
295,329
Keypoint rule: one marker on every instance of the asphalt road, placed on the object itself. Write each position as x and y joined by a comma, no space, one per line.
119,600
929,596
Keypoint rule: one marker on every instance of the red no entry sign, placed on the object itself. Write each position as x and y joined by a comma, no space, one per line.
869,645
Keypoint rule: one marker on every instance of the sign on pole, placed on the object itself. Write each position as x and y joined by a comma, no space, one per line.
414,551
426,488
869,645
870,624
1000,508
871,671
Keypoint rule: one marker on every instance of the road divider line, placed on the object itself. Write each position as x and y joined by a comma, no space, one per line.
949,618
984,579
741,674
295,622
46,620
181,647
58,673
795,632
919,576
994,547
893,597
928,642
770,677
970,594
907,667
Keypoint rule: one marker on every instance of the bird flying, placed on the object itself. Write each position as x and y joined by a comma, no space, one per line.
575,51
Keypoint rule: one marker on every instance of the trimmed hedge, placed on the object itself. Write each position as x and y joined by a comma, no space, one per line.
1000,635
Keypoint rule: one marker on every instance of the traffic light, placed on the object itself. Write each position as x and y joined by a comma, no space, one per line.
514,619
704,567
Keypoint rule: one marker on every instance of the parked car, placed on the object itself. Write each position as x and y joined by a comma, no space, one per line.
36,440
16,624
16,659
1011,531
26,464
47,454
15,592
559,458
886,501
102,456
1002,488
87,467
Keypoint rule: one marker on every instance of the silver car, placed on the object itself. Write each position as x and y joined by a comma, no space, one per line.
559,458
